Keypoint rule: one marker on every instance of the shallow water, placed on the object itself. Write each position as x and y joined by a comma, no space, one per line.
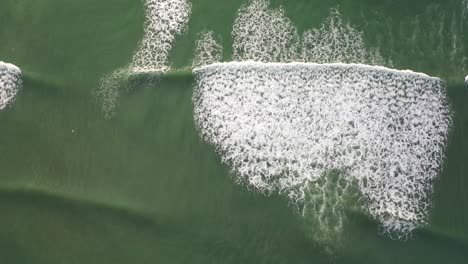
143,187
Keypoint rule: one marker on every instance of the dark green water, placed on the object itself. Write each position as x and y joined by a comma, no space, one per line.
143,187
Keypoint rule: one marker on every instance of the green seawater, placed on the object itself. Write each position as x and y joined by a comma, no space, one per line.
142,187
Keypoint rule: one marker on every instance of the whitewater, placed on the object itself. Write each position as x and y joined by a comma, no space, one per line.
281,127
10,83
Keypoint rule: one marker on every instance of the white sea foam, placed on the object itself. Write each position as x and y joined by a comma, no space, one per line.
285,127
264,34
165,20
208,50
267,35
325,207
10,82
281,127
108,93
338,41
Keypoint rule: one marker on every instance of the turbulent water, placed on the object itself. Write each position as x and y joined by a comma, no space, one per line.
283,126
208,50
164,21
267,35
10,82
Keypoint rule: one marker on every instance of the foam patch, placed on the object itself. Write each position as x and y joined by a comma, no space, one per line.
10,82
281,127
337,41
267,35
165,19
108,93
326,203
264,34
208,50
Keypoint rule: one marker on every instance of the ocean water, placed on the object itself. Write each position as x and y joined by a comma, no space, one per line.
104,159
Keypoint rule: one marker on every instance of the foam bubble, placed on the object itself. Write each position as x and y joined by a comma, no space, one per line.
282,126
208,50
10,82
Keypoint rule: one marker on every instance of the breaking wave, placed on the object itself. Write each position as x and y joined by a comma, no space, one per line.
165,20
282,127
10,82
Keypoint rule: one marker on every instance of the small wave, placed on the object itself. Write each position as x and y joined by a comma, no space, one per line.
10,83
282,126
